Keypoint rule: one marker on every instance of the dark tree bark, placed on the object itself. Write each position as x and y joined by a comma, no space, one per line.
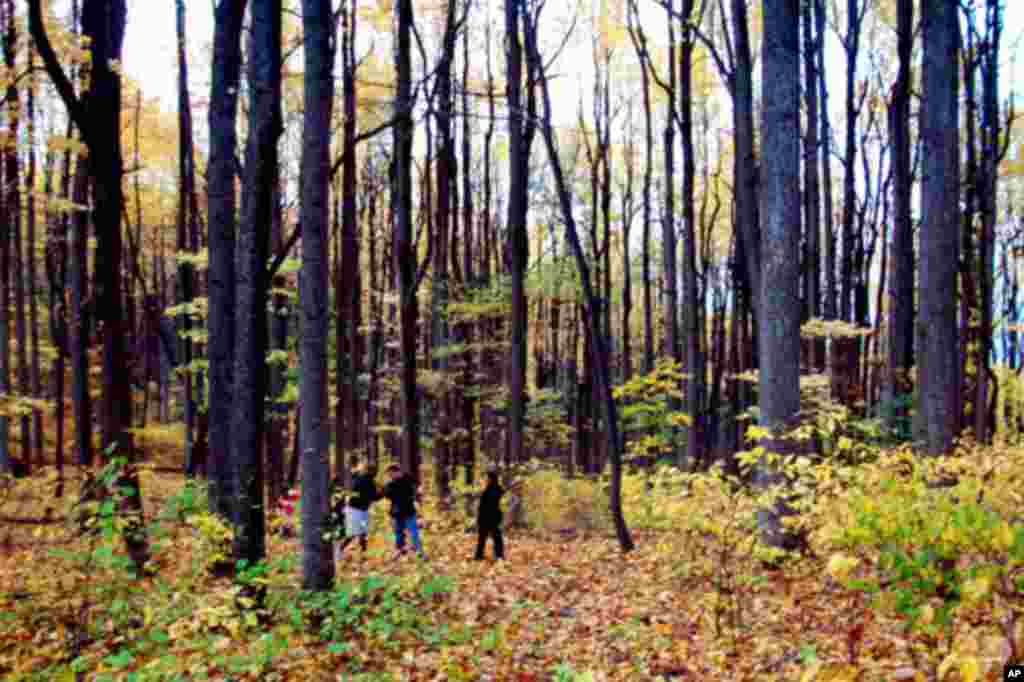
11,214
221,211
670,304
280,311
97,115
831,294
746,190
318,96
465,330
628,211
851,45
186,190
446,187
78,336
938,372
405,257
779,314
30,270
56,274
251,282
518,207
845,350
812,189
984,418
645,85
692,360
900,356
13,180
347,294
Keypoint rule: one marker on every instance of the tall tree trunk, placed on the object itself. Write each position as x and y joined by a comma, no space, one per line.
984,417
465,330
98,115
220,188
78,338
346,294
318,96
938,373
30,271
518,243
812,189
779,314
10,273
280,311
900,356
692,361
645,85
21,286
251,285
851,44
56,273
845,349
627,208
831,294
968,261
670,309
746,189
446,177
186,277
405,260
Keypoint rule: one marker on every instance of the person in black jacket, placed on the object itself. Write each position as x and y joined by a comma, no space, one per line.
488,522
357,511
401,490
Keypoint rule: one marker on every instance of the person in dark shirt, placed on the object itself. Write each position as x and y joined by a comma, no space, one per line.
356,511
401,491
488,522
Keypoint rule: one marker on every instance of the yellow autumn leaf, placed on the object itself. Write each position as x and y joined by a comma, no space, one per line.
755,432
1003,538
977,589
841,565
968,667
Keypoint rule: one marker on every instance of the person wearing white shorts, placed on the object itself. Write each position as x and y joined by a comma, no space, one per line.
357,511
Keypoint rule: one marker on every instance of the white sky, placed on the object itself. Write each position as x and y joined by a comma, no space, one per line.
149,49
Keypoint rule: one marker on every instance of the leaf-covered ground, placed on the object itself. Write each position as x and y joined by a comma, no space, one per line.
565,605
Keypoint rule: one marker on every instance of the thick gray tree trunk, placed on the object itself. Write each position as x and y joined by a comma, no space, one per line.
318,96
779,314
939,382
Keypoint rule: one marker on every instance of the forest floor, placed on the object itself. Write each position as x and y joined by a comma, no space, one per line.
563,606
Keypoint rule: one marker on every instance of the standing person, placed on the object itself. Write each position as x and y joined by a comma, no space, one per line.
488,522
401,490
357,510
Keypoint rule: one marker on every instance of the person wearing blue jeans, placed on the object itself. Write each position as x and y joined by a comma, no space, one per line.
401,491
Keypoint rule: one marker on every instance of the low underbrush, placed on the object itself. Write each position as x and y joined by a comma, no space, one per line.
911,569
